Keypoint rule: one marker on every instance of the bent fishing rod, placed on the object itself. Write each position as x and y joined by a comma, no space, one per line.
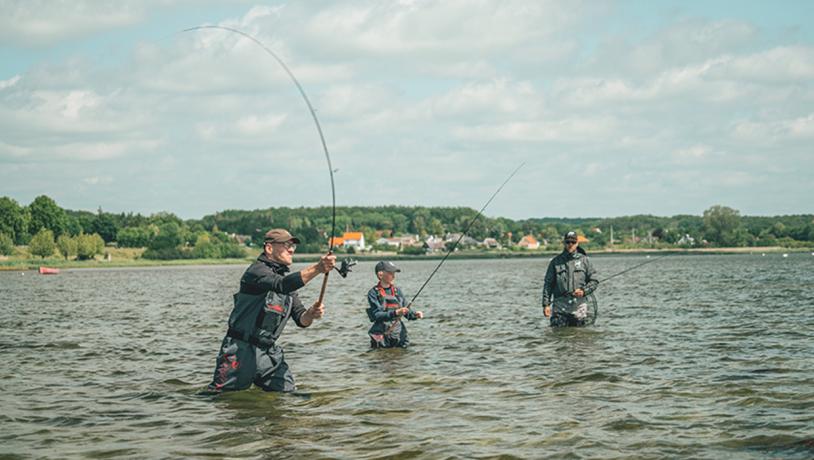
455,245
319,130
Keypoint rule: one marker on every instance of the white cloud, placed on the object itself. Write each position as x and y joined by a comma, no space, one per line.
37,23
96,180
775,131
9,82
495,97
568,130
438,91
692,154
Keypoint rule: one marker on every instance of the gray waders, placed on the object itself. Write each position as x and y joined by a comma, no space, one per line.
249,353
573,311
382,334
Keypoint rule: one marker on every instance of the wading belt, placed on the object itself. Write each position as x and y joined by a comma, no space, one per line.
240,335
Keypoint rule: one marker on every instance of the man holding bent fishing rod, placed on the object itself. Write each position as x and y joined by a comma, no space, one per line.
266,300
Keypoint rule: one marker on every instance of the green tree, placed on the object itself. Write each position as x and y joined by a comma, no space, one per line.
169,237
136,237
13,220
67,246
721,225
205,248
88,246
45,213
42,244
6,245
104,225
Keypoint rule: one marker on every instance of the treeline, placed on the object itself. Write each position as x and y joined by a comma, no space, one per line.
719,226
47,228
225,233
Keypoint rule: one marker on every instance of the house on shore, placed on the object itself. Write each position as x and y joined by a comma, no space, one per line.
355,240
528,242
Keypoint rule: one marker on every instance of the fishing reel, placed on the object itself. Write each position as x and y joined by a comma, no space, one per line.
344,267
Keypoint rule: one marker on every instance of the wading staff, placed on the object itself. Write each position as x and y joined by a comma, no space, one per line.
471,222
316,122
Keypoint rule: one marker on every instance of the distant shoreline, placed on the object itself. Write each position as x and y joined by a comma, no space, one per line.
10,264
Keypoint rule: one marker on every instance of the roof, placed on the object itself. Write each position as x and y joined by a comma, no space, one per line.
337,241
529,239
353,235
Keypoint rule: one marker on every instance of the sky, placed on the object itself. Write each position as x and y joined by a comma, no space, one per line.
613,107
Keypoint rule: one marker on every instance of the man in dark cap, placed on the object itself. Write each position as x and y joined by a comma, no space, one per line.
266,300
386,308
570,276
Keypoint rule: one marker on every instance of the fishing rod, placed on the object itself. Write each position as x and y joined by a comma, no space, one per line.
634,267
471,222
319,130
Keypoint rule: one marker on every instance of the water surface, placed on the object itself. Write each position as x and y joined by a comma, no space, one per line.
692,356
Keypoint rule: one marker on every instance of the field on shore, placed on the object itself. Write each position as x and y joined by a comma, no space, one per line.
131,257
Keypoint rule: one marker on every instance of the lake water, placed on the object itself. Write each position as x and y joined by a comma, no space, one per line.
691,357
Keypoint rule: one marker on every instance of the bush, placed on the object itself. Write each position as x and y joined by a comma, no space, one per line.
6,245
233,251
42,244
67,246
88,246
167,254
412,250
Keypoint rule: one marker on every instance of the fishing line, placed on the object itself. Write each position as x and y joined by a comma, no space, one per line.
634,267
316,122
471,222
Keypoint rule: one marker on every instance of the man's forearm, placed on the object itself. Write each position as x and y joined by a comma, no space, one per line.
310,273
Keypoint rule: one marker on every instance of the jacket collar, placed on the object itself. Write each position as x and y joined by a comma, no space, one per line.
276,266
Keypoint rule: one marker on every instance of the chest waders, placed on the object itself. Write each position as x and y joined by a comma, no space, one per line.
568,310
395,334
249,353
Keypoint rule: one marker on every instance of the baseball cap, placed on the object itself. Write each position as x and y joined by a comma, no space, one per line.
279,235
570,236
385,266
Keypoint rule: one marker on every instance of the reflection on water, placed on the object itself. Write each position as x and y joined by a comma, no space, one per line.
691,356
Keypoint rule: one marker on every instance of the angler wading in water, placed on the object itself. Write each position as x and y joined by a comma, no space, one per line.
267,299
386,309
570,280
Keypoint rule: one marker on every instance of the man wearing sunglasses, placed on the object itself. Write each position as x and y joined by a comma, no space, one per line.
569,275
266,300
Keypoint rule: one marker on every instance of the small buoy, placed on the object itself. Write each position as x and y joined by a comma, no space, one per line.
785,255
763,255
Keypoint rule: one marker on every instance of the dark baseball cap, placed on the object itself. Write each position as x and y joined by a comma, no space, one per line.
570,236
385,266
280,235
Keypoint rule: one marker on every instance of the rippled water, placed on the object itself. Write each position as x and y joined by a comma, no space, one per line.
692,356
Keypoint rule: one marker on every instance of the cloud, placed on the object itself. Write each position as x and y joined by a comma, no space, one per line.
692,154
771,132
95,180
780,64
438,94
41,23
9,82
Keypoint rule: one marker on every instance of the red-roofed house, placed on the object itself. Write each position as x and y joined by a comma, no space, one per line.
355,239
529,242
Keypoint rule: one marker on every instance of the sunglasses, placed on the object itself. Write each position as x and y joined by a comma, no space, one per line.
287,244
570,242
